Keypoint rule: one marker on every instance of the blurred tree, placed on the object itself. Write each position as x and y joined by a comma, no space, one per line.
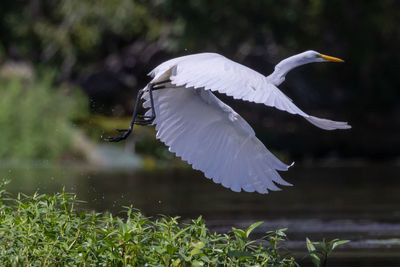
73,33
36,119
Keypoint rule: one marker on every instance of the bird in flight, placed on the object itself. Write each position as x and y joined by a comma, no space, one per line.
206,132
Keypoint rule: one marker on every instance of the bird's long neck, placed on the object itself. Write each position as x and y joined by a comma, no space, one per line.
283,67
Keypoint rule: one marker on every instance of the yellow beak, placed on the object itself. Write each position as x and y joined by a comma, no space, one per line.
329,58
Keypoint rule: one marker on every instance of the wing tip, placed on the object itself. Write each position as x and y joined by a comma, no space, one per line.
347,126
328,124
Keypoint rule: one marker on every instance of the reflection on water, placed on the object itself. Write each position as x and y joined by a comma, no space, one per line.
360,203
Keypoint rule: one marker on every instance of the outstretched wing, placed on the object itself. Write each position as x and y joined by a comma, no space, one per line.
214,139
217,73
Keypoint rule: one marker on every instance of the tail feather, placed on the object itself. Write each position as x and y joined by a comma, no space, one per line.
327,124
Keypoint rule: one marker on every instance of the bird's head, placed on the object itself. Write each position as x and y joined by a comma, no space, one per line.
310,56
313,56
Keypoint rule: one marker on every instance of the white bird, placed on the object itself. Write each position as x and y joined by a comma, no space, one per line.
210,135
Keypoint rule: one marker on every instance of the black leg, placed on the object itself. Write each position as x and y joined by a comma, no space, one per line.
152,87
126,132
145,120
148,119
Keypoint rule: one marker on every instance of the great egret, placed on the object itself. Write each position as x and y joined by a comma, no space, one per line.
207,133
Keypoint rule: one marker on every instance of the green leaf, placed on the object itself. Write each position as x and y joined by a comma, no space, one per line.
197,263
171,249
251,228
176,262
180,232
310,245
313,253
316,260
240,232
198,245
338,243
281,232
195,251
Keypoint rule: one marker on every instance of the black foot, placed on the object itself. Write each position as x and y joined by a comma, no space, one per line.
125,134
145,120
123,130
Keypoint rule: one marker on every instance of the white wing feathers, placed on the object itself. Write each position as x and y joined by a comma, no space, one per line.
208,134
217,73
327,124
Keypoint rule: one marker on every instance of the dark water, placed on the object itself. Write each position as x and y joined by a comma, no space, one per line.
359,202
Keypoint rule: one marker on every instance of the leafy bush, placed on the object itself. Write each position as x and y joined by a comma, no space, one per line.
35,119
48,230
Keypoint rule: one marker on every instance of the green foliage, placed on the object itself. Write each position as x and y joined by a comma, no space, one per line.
320,256
73,33
48,230
35,119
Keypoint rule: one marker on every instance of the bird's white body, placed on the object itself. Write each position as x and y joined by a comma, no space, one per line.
210,135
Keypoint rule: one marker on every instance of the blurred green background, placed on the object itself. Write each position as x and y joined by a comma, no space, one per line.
72,68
